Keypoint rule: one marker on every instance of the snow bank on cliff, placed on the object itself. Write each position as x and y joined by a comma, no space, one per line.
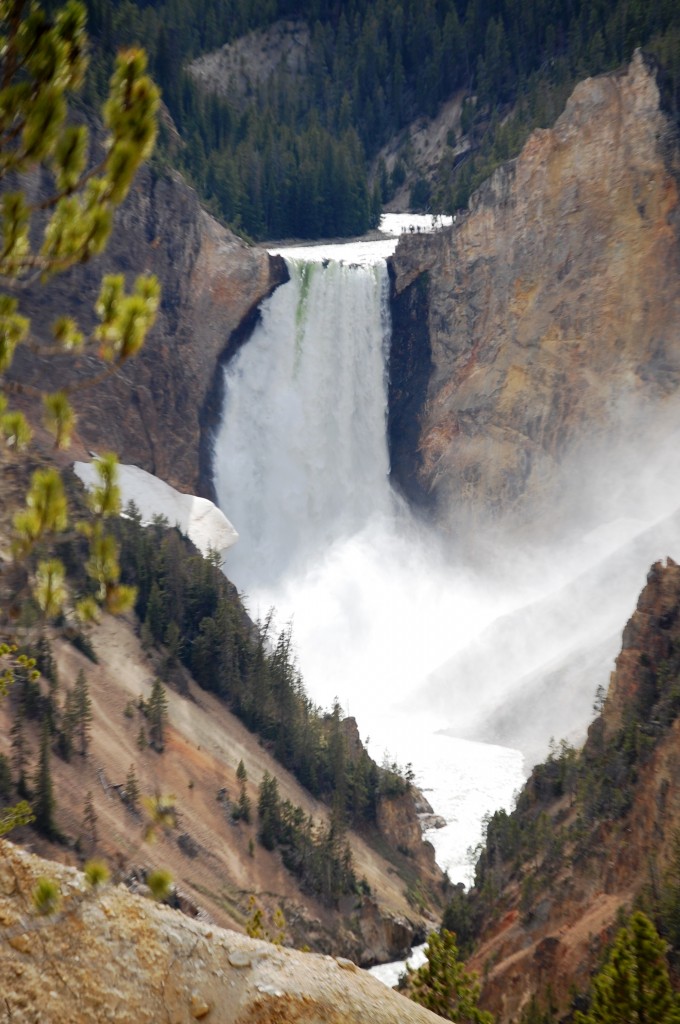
197,518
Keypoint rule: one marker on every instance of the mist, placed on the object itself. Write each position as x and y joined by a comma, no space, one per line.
412,637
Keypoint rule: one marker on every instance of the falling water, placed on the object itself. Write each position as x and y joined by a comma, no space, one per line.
301,455
301,465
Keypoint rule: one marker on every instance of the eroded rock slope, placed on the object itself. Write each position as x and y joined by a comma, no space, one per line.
544,323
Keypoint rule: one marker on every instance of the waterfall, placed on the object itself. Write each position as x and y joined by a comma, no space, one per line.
423,651
301,456
301,467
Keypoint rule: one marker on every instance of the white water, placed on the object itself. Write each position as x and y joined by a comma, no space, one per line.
421,651
301,463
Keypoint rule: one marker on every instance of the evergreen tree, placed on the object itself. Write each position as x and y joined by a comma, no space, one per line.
142,742
68,726
269,812
43,796
42,62
634,987
132,789
243,805
83,713
157,715
443,984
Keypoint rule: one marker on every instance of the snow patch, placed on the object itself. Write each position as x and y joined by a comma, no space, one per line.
197,518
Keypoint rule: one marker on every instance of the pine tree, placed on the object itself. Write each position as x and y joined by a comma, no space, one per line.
634,986
443,984
132,789
157,715
269,812
5,779
243,806
42,63
43,796
83,712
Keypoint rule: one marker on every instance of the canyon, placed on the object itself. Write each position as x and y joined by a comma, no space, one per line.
531,342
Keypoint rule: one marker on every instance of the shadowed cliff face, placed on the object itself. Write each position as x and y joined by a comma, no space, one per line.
552,308
158,411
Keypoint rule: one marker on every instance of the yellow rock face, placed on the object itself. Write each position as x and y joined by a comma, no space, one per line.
552,306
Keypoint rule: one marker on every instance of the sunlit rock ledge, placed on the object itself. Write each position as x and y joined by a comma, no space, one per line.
108,955
197,518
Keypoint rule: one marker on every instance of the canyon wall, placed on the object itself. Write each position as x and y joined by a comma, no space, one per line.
553,914
157,412
546,321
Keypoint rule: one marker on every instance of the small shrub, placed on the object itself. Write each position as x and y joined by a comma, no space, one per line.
46,896
96,873
159,882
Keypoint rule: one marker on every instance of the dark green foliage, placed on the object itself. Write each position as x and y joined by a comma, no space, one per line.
90,821
291,158
43,796
83,644
319,857
83,713
458,918
633,987
156,710
183,595
444,986
268,812
241,810
131,790
534,1013
76,720
44,660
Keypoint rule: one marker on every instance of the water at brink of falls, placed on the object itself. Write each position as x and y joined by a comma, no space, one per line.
301,469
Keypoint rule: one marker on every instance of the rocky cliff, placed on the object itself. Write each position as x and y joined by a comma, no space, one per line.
157,413
544,323
594,833
109,955
216,861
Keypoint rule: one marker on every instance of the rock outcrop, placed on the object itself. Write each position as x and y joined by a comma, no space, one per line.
157,412
545,321
109,955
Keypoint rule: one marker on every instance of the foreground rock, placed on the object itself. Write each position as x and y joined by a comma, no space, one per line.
112,956
544,324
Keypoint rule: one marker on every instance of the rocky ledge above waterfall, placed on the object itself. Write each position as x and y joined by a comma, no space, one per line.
544,323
